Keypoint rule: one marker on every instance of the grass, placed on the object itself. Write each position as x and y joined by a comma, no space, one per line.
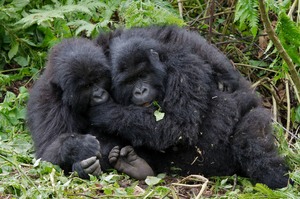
29,28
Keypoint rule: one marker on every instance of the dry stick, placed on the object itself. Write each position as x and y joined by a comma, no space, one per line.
283,54
275,110
217,14
180,7
198,178
292,9
211,19
298,12
288,106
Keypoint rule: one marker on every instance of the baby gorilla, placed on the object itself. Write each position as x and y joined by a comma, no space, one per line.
76,77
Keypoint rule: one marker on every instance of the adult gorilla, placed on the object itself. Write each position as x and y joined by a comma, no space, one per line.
205,130
77,77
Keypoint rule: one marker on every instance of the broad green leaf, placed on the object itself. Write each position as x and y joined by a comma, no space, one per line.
37,162
14,50
22,61
20,3
152,180
159,115
297,116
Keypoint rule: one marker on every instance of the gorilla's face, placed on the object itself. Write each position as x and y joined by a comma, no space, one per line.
81,73
137,72
86,88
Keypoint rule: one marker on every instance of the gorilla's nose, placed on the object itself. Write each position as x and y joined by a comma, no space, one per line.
99,96
141,92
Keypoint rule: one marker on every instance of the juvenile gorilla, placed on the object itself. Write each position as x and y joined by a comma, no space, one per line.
205,130
77,77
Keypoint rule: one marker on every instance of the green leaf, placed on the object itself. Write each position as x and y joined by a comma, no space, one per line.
82,26
151,180
14,50
20,3
159,115
22,61
297,116
37,162
289,35
247,13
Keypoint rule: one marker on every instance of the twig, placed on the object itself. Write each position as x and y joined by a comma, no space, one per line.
291,134
235,179
283,54
274,102
288,106
180,7
211,19
216,14
195,177
257,67
293,85
292,9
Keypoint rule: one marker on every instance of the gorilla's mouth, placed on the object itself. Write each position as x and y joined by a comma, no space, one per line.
147,104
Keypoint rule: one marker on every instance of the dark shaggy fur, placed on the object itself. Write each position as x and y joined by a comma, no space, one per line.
74,79
205,130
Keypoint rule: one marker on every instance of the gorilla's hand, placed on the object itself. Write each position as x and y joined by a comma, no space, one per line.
88,166
83,152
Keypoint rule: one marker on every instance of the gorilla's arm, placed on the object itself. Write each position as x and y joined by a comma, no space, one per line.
75,152
136,124
54,139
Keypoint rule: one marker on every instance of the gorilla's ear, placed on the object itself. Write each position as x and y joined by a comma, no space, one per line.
154,53
55,87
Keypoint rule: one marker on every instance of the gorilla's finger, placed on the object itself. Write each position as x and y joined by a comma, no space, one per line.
78,168
92,168
116,148
88,162
98,170
126,150
98,155
114,152
114,155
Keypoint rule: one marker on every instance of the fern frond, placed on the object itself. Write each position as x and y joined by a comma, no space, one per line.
92,4
143,13
50,13
289,35
82,26
247,14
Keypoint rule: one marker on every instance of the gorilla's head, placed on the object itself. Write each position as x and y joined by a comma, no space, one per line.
138,72
79,72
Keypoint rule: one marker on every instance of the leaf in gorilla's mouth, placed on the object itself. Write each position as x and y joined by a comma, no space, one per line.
159,114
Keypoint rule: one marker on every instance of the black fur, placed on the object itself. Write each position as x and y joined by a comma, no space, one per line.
205,130
75,73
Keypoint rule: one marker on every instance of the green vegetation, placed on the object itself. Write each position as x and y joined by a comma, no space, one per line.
29,28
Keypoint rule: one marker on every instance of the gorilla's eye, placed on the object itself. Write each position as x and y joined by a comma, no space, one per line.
123,68
141,75
88,85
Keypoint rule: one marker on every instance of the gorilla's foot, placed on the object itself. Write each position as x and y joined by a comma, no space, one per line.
127,161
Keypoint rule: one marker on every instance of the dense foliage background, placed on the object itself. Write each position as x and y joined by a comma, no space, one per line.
269,59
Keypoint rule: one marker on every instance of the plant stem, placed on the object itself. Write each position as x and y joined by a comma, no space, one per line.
283,54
